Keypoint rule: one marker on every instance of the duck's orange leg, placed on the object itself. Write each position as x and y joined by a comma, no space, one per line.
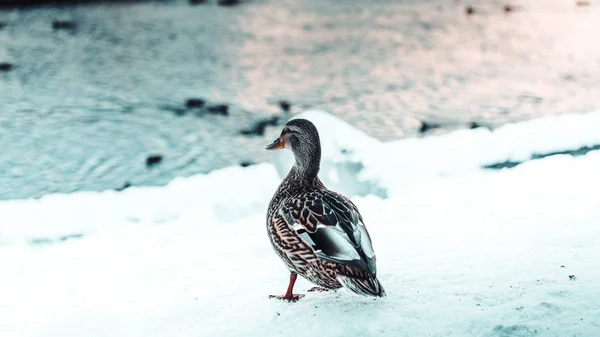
289,296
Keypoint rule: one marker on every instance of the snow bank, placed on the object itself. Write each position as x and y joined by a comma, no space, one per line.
357,164
220,196
462,252
464,151
483,254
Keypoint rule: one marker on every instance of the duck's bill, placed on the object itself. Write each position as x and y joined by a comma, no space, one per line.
277,144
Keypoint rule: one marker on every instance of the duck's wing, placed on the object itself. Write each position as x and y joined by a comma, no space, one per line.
332,225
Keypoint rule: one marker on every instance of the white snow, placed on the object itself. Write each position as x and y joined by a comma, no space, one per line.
461,251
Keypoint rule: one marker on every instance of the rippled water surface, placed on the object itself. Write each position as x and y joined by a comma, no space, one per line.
82,108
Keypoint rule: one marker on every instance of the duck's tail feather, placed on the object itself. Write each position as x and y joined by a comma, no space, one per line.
369,286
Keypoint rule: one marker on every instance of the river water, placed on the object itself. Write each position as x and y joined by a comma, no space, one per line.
83,107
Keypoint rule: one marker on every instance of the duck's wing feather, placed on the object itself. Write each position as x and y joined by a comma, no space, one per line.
332,225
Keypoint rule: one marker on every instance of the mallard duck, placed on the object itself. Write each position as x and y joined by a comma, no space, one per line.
318,233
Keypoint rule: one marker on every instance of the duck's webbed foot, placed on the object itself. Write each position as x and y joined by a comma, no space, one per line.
289,298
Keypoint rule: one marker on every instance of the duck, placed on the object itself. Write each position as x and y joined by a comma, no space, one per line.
318,233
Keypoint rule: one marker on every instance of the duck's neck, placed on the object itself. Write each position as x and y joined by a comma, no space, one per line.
304,175
297,182
307,163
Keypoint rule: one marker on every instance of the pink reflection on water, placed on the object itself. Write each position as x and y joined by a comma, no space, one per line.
386,66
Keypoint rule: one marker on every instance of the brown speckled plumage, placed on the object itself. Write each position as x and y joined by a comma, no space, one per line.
318,233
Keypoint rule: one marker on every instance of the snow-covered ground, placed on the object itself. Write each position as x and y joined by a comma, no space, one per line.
461,250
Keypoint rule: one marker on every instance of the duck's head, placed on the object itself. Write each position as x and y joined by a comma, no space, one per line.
300,136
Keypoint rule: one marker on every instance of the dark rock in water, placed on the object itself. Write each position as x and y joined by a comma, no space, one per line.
197,2
508,8
562,266
219,109
246,163
125,186
195,103
469,10
60,24
285,105
228,3
503,165
574,152
5,66
475,125
426,126
153,160
535,156
259,128
572,277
